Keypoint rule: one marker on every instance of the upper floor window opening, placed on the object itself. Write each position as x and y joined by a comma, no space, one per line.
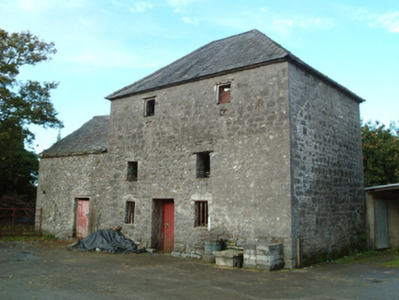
132,171
149,107
203,165
224,93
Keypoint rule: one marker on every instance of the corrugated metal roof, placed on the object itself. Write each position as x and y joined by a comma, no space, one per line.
393,186
247,50
92,137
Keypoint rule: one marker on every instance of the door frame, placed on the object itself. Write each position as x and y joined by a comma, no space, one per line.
157,229
76,206
381,224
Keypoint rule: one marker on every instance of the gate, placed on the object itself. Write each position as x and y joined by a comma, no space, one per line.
20,221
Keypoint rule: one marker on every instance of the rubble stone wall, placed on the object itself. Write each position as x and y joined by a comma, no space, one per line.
61,181
285,163
249,189
328,207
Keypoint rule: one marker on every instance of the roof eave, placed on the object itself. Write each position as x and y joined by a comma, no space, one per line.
288,58
43,155
297,62
261,64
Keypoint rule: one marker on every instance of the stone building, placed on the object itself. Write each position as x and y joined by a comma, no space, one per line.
239,140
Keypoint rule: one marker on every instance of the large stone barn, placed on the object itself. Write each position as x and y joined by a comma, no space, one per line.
239,140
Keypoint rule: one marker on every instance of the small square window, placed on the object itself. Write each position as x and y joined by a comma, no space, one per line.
132,171
203,166
201,213
149,107
224,93
130,207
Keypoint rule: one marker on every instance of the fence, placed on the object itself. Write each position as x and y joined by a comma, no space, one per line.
20,221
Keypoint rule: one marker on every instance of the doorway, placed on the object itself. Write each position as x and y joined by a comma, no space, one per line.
163,224
381,224
82,217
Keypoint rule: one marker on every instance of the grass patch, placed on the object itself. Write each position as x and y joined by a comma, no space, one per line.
383,258
28,238
394,263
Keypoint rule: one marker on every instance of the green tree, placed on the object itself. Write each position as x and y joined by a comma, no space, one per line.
22,103
380,154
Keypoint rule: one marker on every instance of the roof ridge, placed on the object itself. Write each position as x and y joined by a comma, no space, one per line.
250,49
182,58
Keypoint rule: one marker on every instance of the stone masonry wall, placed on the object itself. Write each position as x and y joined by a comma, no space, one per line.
63,179
328,207
249,189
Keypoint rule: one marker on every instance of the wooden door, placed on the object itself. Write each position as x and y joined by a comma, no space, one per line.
82,218
381,225
168,226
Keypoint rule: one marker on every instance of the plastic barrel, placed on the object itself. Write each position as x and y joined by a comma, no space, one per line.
209,248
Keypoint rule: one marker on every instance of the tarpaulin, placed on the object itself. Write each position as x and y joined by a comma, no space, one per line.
108,241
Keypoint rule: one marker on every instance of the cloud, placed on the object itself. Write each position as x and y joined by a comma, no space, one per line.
179,4
388,21
141,7
283,26
190,20
287,25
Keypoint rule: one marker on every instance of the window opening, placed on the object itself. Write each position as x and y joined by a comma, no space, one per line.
149,109
132,171
130,206
201,213
224,93
203,165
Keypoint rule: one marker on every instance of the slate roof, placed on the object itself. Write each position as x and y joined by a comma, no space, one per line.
92,137
247,50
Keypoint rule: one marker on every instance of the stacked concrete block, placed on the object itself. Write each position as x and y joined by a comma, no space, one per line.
229,258
264,256
250,256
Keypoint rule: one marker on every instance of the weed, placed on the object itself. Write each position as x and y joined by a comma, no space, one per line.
28,238
384,258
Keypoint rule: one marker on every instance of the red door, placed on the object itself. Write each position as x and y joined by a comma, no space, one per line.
82,220
168,226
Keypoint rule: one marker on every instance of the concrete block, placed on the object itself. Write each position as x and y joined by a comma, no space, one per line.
229,258
264,256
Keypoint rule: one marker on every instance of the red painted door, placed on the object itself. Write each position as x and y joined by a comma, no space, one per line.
82,220
168,226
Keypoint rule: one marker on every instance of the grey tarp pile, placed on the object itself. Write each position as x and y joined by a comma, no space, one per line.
108,241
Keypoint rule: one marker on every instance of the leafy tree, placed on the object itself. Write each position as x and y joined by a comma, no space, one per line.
380,154
22,104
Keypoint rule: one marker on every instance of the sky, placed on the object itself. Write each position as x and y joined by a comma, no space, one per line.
106,45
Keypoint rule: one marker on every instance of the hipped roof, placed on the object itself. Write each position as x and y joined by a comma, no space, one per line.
239,52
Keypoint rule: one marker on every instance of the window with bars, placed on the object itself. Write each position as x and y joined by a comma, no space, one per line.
130,206
224,92
201,213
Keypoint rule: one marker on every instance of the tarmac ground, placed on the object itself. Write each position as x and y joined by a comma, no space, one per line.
48,270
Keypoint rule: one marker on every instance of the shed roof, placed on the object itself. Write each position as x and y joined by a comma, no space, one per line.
91,138
243,51
379,188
